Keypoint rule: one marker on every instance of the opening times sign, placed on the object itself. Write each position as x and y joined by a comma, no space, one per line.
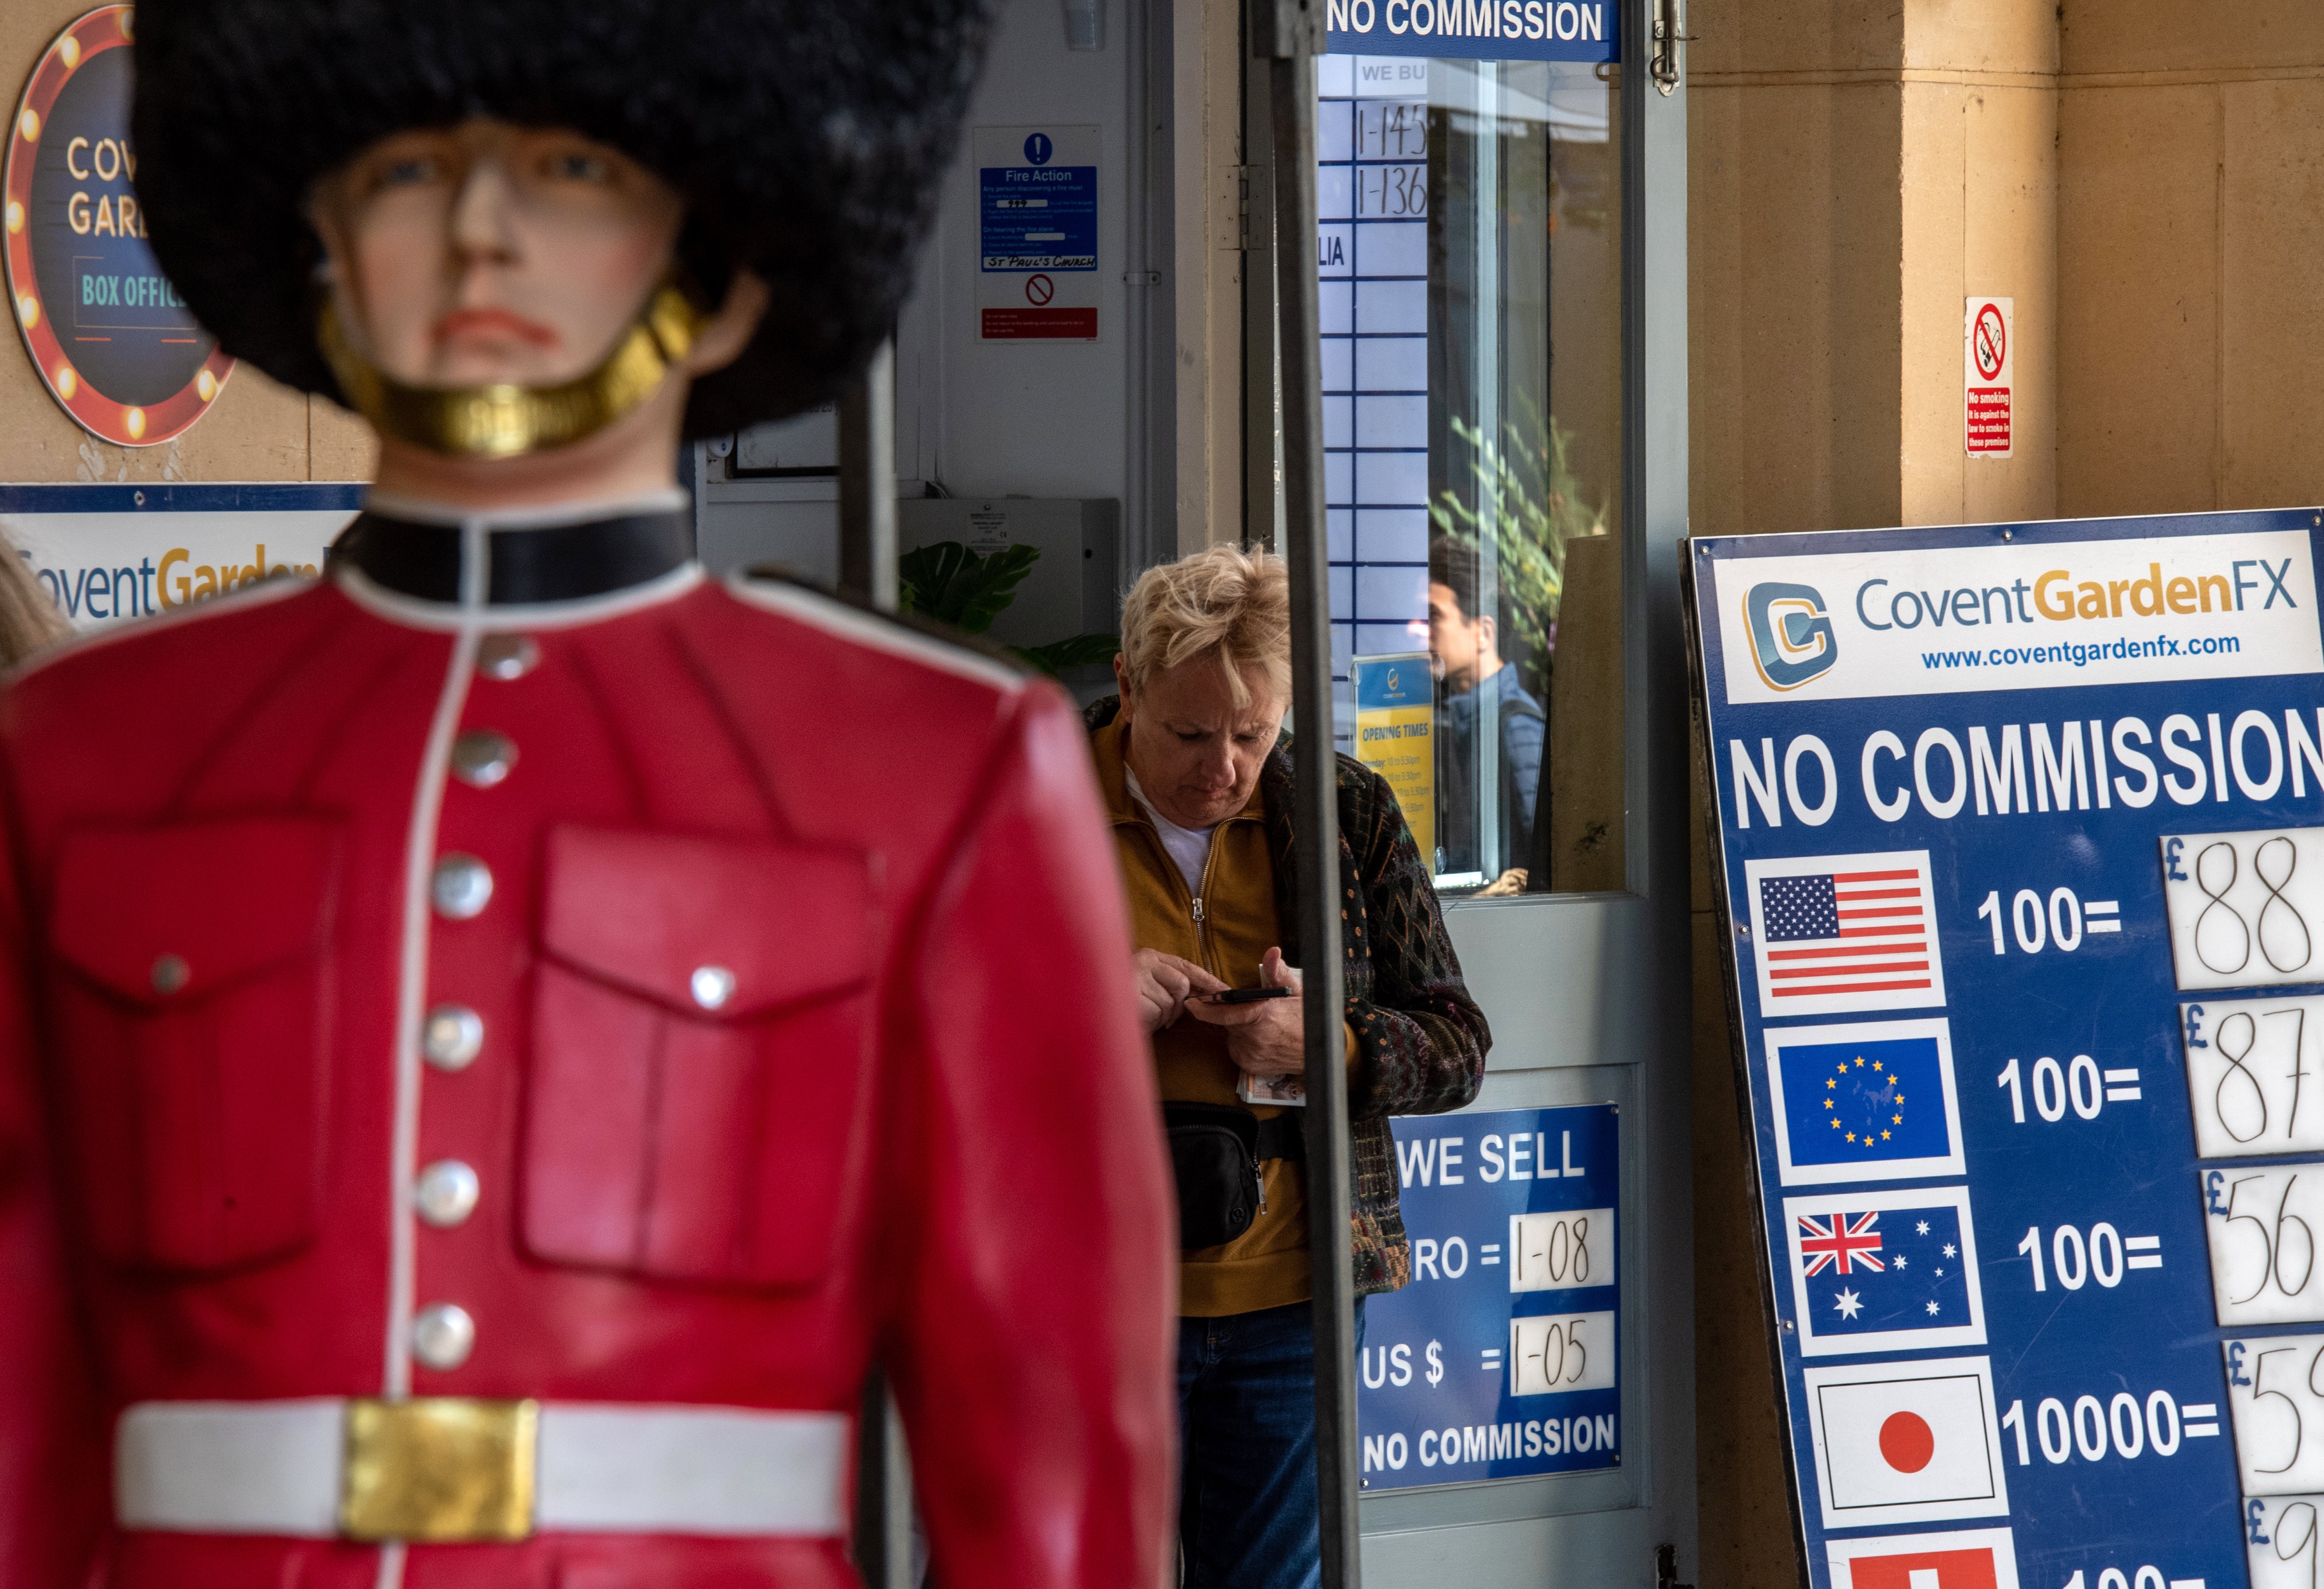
2022,841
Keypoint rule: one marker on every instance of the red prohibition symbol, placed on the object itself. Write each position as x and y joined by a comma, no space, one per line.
1989,343
1040,289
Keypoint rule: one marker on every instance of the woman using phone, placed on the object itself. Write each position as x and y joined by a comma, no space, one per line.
1196,771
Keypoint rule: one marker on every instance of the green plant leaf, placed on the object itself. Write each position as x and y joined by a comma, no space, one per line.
947,582
1081,650
1524,505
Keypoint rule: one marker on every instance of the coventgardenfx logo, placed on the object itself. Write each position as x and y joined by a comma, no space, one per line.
1791,640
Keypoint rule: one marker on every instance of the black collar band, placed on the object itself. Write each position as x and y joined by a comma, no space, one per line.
542,563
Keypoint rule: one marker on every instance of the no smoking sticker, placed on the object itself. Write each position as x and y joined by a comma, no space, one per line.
1988,365
1988,339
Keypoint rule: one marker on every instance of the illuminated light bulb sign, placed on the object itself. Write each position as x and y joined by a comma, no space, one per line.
113,343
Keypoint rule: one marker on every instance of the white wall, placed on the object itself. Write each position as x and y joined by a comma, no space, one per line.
1029,418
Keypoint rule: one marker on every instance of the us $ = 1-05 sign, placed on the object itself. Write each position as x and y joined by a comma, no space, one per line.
113,344
2021,854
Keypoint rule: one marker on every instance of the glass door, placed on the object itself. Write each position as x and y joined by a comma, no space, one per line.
1500,246
1469,250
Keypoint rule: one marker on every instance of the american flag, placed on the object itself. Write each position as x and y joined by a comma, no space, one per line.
1839,1243
1860,935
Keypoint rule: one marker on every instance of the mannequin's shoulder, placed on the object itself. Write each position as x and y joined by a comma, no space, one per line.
886,645
172,647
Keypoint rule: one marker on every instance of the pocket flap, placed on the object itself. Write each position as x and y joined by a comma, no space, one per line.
725,927
171,913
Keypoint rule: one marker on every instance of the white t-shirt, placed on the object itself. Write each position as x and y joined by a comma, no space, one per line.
1190,848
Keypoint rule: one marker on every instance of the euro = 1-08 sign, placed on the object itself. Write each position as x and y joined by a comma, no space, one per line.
111,338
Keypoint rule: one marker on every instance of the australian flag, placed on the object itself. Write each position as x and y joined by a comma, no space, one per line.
1865,1102
1870,1272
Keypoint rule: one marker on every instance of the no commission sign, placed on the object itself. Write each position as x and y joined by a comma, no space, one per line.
2021,845
1475,29
112,342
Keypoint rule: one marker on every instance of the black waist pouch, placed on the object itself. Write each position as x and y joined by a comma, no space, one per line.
1215,1151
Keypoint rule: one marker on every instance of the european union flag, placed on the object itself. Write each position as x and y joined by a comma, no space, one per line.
1864,1103
1871,1272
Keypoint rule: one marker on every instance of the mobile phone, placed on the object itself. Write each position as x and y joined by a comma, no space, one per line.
1247,995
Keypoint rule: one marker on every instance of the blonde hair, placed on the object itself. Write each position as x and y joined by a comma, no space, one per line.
29,618
1221,601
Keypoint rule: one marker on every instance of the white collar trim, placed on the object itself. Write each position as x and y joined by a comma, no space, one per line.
418,510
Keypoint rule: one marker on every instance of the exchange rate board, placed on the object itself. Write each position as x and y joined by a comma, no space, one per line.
2021,850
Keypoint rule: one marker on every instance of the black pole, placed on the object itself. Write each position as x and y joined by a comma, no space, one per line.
867,482
1288,34
883,1492
867,569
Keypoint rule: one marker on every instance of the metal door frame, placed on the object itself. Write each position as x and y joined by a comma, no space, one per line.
1619,1025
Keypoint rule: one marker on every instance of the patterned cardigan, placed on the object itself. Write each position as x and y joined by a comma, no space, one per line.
1420,1038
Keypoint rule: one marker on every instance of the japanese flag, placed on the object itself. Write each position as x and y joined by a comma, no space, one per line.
1974,1558
1907,1442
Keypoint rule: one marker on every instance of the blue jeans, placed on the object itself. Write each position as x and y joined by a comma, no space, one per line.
1246,1433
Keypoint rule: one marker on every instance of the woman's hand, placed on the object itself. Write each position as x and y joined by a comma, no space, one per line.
1165,983
1267,1039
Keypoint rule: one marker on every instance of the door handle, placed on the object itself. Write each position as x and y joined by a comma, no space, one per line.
1669,33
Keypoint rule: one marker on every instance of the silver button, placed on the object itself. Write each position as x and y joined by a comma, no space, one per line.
447,1193
503,657
443,1334
713,987
482,757
171,973
452,1037
462,886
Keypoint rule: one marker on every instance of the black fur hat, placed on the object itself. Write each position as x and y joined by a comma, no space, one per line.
806,136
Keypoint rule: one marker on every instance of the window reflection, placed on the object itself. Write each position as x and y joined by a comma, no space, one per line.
1469,251
1489,727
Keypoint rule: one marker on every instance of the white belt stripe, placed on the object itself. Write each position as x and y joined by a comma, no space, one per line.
275,1467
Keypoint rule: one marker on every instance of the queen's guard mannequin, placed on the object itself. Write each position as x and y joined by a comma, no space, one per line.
495,1043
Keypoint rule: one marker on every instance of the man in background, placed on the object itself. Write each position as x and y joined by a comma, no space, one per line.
1478,693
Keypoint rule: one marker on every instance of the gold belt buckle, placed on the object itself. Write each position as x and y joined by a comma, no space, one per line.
439,1469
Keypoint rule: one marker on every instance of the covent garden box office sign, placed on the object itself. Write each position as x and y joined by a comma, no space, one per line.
109,334
125,357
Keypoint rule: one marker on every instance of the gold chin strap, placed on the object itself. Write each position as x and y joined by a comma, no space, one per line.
503,420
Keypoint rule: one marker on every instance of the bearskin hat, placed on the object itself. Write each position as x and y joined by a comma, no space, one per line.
805,136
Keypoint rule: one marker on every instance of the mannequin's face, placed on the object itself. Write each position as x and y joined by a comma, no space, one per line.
490,253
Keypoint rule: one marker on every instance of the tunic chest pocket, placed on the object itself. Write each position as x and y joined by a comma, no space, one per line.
191,1029
700,1052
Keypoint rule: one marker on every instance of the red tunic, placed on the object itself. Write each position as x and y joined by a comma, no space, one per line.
908,1104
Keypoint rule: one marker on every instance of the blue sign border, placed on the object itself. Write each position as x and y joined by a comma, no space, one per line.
289,496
